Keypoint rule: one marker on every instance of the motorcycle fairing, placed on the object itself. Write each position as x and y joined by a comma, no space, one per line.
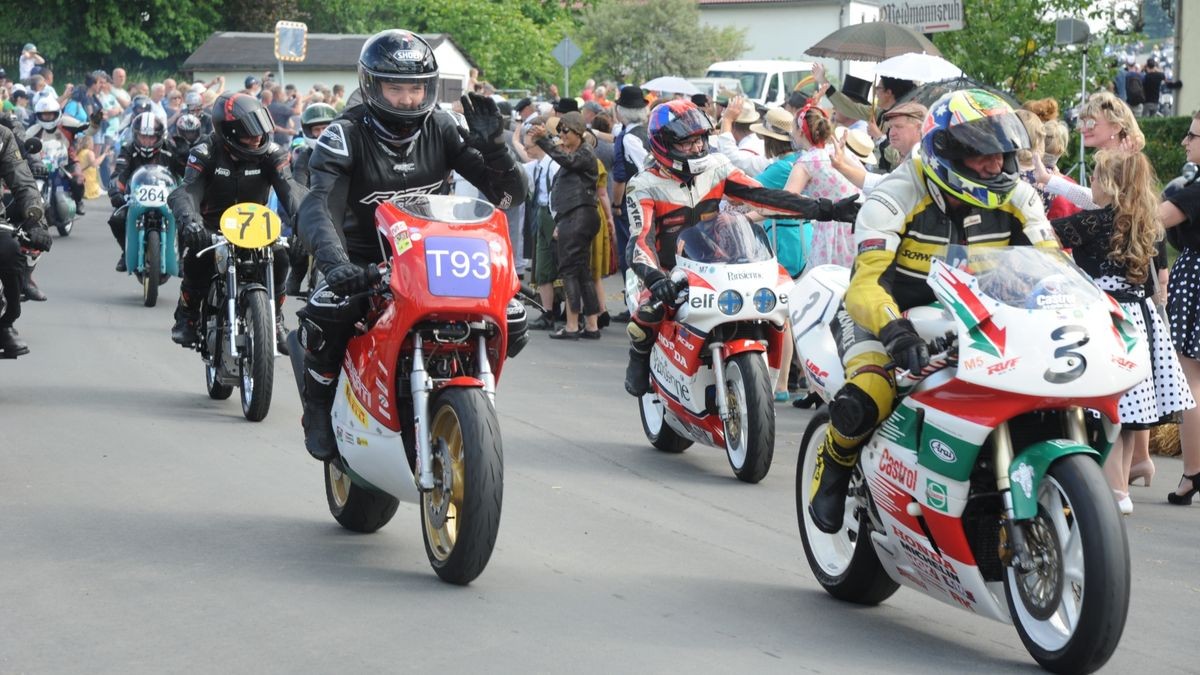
369,448
134,256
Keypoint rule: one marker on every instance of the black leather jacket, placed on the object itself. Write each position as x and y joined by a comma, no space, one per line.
351,171
215,180
300,157
575,183
128,162
15,173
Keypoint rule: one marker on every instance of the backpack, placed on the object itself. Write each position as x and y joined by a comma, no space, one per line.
1134,94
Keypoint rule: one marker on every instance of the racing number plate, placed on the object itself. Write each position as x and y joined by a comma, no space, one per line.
250,225
151,195
458,267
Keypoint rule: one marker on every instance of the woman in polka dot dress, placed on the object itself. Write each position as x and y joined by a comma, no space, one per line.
813,176
1181,211
1115,244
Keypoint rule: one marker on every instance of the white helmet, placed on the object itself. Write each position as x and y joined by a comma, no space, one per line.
48,113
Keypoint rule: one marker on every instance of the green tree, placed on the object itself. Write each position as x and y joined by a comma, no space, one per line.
635,40
1011,44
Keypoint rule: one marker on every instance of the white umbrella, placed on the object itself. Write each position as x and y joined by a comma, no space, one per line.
670,84
918,68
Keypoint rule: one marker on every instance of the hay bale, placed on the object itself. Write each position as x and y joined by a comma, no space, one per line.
1164,440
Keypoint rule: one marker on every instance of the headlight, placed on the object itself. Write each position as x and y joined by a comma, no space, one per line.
764,300
730,302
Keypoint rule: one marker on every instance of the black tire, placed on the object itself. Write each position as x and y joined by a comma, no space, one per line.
216,390
258,356
460,525
1074,488
354,507
150,271
845,564
658,432
753,428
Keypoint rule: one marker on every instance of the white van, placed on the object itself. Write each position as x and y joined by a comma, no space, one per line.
766,82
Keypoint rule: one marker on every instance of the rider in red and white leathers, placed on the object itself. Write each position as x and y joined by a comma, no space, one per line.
686,186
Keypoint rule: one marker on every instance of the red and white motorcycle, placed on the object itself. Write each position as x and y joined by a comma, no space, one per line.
983,489
710,365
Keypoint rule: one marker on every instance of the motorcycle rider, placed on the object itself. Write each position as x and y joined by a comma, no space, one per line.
56,133
236,163
963,187
316,117
395,143
147,146
14,171
194,105
684,187
186,134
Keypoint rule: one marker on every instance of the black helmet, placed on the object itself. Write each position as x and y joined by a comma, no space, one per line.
149,133
397,57
140,104
239,116
188,126
314,115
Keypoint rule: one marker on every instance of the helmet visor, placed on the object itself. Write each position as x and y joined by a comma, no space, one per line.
253,124
48,116
990,135
690,125
402,96
146,141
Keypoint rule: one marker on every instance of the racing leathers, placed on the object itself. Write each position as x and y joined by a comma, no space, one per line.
352,170
213,181
297,253
27,202
903,224
118,193
660,206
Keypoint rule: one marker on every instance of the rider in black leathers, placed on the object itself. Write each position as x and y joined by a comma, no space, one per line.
395,144
236,163
148,145
14,171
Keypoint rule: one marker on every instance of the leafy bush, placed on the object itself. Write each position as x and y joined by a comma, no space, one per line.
1163,136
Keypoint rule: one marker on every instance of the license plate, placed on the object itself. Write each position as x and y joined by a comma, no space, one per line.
458,267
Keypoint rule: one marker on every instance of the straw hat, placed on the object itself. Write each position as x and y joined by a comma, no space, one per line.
859,143
777,123
748,115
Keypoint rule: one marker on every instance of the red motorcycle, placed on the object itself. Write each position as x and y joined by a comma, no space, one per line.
414,416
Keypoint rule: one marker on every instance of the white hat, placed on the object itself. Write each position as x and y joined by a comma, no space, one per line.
859,144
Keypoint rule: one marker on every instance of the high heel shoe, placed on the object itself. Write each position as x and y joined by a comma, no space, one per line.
1185,499
1143,470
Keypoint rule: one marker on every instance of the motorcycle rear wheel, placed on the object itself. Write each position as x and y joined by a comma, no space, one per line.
845,563
151,269
1080,537
460,516
750,434
354,507
258,356
654,424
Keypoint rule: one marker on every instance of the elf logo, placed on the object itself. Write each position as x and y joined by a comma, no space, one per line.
704,301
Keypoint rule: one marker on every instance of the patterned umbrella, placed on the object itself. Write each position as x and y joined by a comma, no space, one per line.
874,41
928,93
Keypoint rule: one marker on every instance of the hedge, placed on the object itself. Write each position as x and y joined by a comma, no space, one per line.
1163,144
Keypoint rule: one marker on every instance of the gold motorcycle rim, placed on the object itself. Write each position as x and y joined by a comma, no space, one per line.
441,506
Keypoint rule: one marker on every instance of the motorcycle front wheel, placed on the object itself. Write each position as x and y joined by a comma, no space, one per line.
460,516
1070,610
151,268
750,432
258,356
844,563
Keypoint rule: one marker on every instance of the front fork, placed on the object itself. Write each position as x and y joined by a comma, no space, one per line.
231,294
718,366
1020,555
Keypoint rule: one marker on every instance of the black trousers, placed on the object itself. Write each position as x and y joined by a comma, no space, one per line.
12,263
576,230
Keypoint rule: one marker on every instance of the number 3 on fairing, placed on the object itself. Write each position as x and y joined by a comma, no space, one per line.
1069,365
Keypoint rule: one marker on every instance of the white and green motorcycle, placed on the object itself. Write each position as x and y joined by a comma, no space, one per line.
984,489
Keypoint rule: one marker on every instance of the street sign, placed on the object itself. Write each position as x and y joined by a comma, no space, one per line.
291,41
923,16
566,53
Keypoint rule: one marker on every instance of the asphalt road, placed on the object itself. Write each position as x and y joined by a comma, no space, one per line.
146,528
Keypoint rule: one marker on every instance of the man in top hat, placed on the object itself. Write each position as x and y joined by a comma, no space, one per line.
565,105
736,141
630,147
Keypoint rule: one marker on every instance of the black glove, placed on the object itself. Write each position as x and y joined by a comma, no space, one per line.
485,122
347,278
842,211
194,238
906,348
665,291
117,199
37,237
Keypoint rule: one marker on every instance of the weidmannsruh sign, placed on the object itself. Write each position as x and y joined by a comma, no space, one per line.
923,16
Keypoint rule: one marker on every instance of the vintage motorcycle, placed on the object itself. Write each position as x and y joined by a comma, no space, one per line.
983,489
709,367
150,230
414,416
54,184
237,318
